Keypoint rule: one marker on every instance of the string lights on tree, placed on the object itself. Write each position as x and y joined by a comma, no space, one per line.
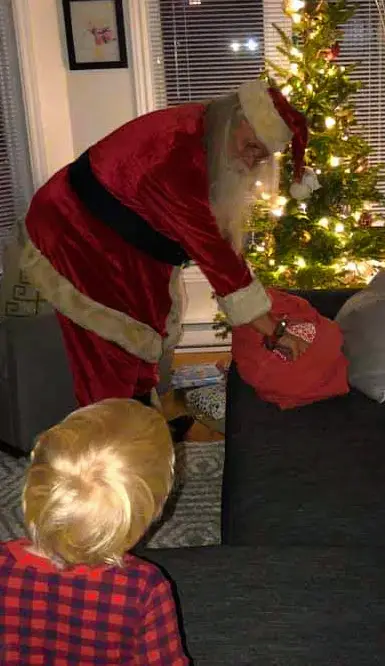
333,239
250,45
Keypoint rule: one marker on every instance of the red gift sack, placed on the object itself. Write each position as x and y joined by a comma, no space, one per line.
320,373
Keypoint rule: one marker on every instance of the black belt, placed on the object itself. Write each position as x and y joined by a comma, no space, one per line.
129,225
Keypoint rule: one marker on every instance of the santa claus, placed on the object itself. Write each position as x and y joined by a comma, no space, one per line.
109,234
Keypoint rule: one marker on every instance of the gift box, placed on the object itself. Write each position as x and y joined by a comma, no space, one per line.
207,402
189,376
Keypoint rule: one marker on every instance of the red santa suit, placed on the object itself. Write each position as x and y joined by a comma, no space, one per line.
114,280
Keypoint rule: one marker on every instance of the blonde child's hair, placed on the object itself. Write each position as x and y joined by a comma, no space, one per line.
97,481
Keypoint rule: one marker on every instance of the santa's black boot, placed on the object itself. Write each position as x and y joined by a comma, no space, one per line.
179,427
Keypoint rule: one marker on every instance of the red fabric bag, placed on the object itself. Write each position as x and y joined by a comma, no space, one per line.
320,373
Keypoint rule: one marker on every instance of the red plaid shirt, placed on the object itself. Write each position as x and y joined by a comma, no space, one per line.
81,617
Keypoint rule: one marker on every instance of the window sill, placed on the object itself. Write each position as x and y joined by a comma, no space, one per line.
201,337
201,306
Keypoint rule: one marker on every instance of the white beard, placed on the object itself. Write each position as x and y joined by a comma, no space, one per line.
235,191
232,185
230,199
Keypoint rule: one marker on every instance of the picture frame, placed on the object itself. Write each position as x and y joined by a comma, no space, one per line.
95,34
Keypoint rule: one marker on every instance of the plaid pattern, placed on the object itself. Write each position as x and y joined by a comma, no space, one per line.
82,617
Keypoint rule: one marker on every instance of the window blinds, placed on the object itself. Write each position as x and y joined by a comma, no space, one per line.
210,47
364,43
202,48
15,173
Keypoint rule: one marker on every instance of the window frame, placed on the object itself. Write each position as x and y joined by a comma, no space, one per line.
32,103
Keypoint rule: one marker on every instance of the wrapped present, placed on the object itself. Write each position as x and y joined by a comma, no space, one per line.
208,402
189,376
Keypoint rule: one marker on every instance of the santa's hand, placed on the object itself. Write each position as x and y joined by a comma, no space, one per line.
292,346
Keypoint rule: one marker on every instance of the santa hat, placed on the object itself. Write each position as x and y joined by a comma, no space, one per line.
275,121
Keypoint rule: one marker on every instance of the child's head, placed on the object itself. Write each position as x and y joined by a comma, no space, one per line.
97,481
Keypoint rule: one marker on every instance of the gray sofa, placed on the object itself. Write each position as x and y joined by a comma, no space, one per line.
36,389
299,579
35,381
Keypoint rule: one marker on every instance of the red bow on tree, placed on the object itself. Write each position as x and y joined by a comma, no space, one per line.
333,52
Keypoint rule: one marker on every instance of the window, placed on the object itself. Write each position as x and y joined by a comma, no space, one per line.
195,49
364,43
210,47
202,48
15,172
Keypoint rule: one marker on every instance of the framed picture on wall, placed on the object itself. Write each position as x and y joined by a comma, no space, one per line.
95,34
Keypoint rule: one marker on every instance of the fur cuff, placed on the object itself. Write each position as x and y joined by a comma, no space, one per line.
259,109
245,305
134,336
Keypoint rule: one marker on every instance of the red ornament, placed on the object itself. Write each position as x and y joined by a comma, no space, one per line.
332,53
366,220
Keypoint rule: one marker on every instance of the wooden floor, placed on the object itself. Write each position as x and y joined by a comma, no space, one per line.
173,404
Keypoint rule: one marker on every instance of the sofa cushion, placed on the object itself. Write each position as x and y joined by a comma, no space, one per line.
273,606
36,388
327,302
312,475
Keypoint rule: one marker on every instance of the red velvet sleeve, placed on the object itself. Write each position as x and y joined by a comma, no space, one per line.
190,222
177,209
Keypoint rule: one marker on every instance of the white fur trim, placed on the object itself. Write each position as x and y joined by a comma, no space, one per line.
178,296
309,184
245,305
300,191
259,110
134,336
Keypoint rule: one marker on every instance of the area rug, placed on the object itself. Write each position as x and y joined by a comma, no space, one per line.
191,516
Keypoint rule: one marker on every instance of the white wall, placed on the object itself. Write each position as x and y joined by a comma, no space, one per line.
68,110
202,307
45,86
99,100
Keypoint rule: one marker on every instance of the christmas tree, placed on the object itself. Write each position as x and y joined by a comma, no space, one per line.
331,239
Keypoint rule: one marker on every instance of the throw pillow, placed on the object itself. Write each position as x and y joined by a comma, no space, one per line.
362,320
18,297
